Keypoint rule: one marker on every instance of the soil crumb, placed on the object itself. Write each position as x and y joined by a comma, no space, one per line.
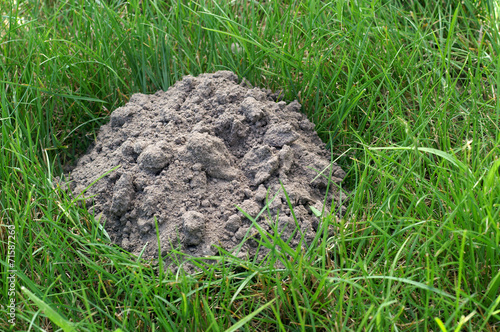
189,156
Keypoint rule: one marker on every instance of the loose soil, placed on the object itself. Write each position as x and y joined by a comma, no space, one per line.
188,157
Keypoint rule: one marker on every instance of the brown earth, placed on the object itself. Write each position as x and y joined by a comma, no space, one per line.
189,156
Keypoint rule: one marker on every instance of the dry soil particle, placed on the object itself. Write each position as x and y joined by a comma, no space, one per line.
188,156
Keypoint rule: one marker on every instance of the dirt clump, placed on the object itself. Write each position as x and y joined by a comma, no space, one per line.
190,155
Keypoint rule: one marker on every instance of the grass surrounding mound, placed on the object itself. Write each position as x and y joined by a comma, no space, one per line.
405,92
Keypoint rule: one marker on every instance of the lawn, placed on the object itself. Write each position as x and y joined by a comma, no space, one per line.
404,93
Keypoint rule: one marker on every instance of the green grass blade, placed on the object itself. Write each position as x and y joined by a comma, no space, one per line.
53,315
249,317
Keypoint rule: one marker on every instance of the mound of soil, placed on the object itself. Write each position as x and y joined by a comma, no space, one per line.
190,155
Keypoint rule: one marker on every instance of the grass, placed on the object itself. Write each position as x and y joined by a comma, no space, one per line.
404,92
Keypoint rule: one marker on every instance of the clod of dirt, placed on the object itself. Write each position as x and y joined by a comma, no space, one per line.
190,155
